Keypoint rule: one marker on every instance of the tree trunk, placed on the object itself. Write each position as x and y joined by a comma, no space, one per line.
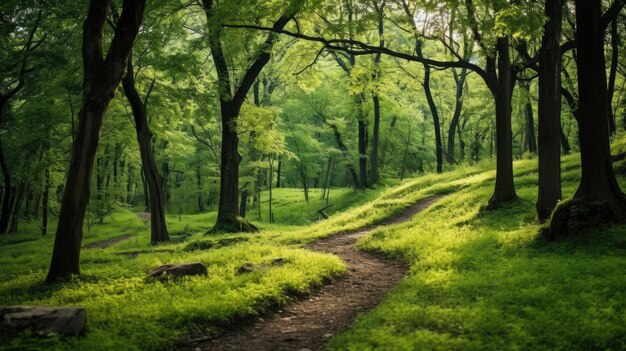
433,110
101,78
458,108
375,140
228,219
154,181
529,119
362,143
270,183
244,203
17,206
599,193
615,42
564,142
278,170
8,194
505,187
549,192
45,203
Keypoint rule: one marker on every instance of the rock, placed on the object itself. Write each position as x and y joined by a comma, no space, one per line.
178,270
246,268
278,261
43,320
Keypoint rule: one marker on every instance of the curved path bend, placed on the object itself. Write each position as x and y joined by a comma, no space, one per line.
308,323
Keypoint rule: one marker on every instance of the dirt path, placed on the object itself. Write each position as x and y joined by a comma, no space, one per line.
144,215
106,243
307,324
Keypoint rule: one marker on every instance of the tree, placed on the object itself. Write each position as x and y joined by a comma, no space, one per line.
231,99
102,75
599,198
549,119
15,66
158,226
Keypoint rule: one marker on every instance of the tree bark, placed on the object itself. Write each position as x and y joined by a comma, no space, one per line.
615,42
505,187
598,192
362,141
101,78
45,209
531,141
549,192
154,181
278,170
458,108
433,109
375,97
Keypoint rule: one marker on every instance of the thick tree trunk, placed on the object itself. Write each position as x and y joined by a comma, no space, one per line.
101,78
599,193
154,181
505,187
549,192
458,108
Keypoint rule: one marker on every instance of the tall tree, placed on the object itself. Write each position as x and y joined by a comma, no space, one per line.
598,193
231,100
549,119
14,67
102,76
154,180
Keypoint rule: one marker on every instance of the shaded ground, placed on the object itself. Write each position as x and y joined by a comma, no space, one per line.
106,243
144,215
307,324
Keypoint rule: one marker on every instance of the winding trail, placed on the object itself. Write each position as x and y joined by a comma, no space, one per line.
307,324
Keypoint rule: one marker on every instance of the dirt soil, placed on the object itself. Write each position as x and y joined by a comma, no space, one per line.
308,324
106,243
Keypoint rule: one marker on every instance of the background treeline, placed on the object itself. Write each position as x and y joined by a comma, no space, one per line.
208,104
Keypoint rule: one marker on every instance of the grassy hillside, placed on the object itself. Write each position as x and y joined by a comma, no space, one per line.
126,311
487,281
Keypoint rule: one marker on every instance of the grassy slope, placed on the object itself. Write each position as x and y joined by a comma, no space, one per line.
486,281
127,312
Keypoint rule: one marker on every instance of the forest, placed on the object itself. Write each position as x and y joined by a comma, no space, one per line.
312,175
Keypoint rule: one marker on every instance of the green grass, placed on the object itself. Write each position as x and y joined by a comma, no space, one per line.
126,311
487,281
478,280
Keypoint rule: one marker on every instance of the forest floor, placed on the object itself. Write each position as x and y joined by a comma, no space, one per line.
308,323
467,279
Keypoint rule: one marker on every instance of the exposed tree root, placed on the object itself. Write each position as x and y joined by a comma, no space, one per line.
235,224
576,216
